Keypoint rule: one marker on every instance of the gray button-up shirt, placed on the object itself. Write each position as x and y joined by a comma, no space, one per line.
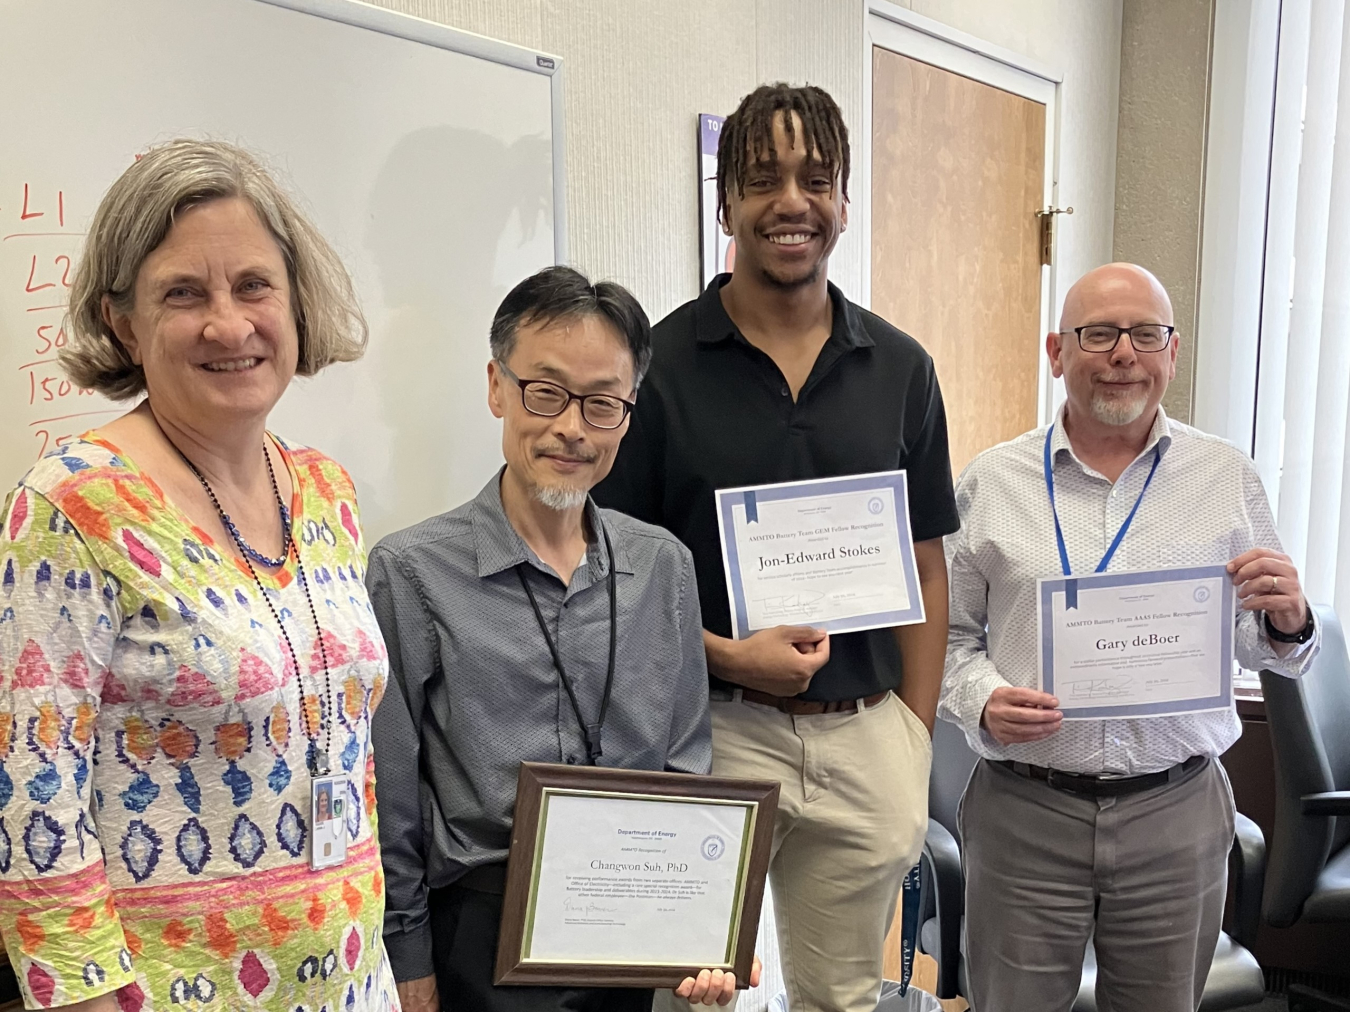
474,692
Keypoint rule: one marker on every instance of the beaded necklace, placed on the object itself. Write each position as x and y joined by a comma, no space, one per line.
319,765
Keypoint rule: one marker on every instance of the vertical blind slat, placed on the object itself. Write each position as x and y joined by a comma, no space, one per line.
1333,363
1310,251
1341,595
1281,204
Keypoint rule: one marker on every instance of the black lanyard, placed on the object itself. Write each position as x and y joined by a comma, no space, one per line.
591,732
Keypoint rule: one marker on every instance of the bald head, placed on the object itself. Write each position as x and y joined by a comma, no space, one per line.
1120,386
1100,293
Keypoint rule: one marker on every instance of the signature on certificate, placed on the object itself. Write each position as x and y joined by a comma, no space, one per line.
790,604
1100,688
588,908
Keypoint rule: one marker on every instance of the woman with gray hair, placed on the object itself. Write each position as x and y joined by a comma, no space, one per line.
188,660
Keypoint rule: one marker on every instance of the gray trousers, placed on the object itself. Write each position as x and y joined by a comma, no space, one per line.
1143,875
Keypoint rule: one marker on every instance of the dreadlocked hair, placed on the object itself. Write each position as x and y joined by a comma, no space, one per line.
747,135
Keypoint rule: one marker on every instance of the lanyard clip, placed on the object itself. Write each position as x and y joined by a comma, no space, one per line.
319,765
592,736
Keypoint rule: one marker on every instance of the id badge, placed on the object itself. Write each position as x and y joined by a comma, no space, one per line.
328,800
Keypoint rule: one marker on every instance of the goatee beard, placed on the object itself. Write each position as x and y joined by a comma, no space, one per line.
559,497
1110,411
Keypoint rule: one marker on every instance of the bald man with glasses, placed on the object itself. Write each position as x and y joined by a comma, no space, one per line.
1114,828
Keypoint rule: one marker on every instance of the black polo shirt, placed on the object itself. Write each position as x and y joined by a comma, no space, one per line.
715,412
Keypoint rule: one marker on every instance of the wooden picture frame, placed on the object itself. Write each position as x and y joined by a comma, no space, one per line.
539,783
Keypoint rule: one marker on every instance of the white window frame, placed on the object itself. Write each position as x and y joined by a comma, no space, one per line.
902,31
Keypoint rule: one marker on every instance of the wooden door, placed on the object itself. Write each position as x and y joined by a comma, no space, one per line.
957,178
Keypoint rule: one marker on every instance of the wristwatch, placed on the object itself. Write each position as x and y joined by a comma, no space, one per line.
1302,636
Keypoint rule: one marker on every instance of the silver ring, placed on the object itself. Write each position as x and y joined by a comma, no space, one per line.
1274,584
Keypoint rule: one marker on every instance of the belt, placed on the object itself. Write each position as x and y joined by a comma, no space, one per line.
1102,786
804,707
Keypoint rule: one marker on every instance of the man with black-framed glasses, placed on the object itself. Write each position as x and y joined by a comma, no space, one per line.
528,625
1106,827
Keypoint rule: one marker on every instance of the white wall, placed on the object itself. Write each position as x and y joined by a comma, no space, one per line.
638,72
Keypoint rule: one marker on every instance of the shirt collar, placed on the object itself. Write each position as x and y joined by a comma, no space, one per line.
500,548
712,325
1160,435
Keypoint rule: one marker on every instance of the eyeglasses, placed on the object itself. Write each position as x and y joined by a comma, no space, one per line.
548,400
1101,339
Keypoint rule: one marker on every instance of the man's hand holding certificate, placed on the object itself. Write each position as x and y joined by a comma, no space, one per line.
835,554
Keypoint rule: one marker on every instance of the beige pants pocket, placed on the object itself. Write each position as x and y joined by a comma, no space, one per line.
912,722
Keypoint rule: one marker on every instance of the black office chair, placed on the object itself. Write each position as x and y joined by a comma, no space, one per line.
1235,978
1308,877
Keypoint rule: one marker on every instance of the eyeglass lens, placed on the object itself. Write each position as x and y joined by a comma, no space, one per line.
600,410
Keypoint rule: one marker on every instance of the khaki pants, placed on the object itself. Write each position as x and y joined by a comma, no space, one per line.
851,821
1144,874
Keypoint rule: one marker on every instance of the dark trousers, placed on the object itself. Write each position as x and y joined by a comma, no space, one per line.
464,927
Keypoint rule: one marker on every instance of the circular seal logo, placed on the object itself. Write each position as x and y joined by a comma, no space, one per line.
1201,594
714,847
875,505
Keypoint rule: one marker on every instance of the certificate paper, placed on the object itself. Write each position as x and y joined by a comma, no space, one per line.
1138,644
638,880
833,553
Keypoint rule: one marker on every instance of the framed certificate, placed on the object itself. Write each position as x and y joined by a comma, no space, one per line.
1139,644
627,878
833,553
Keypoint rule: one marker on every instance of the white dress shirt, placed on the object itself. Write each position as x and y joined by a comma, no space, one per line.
1205,506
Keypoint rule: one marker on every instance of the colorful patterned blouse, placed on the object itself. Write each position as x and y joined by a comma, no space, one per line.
154,790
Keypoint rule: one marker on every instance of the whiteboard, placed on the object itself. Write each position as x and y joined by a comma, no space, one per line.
430,158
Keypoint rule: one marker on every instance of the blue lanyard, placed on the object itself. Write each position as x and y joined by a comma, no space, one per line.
1071,588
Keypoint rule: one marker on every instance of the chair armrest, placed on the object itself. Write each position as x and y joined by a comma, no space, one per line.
943,857
1248,863
1327,803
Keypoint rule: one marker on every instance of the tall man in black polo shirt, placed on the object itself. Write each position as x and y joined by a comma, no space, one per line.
772,375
